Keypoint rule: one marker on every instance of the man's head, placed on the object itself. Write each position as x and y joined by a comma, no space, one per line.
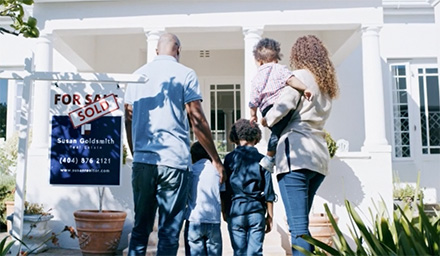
169,44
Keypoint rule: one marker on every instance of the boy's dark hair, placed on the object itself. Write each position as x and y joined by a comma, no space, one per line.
243,129
198,152
267,50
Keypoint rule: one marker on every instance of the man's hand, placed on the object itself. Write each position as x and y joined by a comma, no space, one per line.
221,171
253,119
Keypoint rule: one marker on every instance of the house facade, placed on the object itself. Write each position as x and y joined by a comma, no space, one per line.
386,53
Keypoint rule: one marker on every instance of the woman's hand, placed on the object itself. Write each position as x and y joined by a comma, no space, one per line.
263,122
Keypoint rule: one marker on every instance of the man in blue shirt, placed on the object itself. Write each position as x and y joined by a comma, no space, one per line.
157,124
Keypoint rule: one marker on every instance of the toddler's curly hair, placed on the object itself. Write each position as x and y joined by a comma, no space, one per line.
243,129
267,50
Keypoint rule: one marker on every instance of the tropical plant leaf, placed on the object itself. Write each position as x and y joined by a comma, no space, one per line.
5,246
369,236
343,242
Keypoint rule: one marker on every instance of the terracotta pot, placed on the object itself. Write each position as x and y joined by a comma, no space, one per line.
99,232
321,228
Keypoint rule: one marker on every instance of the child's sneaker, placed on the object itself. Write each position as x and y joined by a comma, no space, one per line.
268,163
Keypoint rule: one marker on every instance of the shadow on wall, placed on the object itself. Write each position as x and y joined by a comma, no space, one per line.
341,184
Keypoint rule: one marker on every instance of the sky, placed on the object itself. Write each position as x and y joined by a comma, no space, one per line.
3,91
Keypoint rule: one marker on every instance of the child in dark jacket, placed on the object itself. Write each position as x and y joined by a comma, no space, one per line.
249,192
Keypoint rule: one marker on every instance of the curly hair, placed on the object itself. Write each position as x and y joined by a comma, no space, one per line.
309,52
267,50
243,129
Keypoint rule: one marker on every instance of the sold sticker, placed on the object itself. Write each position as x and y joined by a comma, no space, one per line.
94,110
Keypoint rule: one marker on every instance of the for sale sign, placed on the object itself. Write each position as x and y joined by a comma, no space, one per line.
93,111
86,146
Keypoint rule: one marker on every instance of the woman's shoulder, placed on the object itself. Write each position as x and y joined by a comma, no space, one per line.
306,77
302,73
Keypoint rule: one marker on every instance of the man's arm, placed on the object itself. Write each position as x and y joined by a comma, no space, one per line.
128,121
203,133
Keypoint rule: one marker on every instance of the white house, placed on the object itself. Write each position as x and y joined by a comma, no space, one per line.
386,53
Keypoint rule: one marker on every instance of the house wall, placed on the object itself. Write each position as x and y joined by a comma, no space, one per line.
415,42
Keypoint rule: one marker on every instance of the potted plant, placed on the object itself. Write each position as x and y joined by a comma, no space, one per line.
407,195
36,231
99,231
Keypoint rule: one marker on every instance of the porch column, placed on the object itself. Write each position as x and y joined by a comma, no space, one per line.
40,121
251,38
152,40
373,91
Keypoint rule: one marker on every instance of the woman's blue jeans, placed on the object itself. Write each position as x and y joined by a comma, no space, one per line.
298,189
160,187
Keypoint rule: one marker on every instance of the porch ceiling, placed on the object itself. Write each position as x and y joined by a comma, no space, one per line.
123,51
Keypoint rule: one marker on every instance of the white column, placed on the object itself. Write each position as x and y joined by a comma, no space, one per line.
375,138
251,38
43,62
152,40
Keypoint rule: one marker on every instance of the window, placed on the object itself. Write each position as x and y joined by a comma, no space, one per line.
429,98
400,112
225,110
416,110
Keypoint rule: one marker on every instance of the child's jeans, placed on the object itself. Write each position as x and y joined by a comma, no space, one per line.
247,233
276,129
202,239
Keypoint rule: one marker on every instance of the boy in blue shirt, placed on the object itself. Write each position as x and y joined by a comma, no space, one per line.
248,191
202,228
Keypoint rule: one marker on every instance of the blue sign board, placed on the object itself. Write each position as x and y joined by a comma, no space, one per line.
85,156
86,152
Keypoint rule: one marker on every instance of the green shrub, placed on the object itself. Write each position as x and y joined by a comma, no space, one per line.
399,234
331,144
7,188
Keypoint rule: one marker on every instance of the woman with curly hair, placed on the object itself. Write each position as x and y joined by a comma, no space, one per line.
302,156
